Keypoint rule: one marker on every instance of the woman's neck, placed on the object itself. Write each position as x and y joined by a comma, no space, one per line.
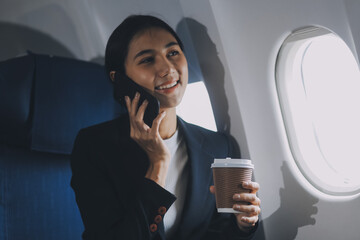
169,123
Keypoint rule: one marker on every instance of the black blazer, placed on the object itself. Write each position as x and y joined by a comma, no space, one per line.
116,201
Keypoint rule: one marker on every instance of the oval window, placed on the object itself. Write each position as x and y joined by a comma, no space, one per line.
318,83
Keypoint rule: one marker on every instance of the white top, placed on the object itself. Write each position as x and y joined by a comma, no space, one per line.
176,180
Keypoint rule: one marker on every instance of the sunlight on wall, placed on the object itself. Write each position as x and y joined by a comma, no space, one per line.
196,107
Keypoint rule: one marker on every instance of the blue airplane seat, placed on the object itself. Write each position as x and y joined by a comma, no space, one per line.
44,102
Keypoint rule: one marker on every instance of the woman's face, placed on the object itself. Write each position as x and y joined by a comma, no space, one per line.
156,62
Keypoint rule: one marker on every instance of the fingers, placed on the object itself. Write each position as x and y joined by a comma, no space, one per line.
136,113
245,220
139,117
252,186
249,213
250,221
247,197
131,105
135,103
156,123
250,210
128,104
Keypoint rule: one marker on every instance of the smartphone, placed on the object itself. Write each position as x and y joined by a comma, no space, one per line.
127,87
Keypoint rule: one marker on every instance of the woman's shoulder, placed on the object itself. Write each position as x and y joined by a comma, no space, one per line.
106,130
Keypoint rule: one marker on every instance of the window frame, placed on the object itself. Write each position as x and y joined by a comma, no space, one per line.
288,77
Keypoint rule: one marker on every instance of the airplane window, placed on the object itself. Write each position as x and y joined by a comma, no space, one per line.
318,83
195,106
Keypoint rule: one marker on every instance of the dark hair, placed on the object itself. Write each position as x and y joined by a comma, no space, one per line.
118,44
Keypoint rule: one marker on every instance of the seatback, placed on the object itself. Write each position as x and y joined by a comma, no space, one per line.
44,102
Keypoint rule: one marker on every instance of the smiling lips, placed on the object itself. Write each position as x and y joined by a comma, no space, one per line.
167,85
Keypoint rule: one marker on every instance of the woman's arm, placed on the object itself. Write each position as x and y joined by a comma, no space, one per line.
149,139
106,213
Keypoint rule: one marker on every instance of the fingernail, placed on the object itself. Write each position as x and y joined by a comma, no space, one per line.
126,98
137,94
236,197
245,184
243,219
145,101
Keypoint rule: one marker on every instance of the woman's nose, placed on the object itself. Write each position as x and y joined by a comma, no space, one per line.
165,67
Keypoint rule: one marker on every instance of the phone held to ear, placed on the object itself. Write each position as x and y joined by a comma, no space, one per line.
128,87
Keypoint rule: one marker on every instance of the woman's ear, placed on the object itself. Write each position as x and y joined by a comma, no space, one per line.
112,76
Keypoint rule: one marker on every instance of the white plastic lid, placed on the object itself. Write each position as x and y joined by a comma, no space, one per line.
229,162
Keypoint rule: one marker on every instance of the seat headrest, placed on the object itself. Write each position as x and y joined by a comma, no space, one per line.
68,95
16,81
45,101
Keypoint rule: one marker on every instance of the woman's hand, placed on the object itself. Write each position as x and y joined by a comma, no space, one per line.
149,139
249,212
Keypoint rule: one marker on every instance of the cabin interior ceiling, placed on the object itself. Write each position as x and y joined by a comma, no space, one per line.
240,48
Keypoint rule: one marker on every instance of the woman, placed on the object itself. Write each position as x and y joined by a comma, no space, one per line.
133,181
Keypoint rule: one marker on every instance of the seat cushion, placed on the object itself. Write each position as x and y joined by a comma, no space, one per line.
36,201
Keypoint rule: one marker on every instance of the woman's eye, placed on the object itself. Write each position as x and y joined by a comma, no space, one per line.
147,60
173,53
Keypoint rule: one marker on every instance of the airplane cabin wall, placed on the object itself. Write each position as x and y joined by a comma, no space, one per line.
353,9
62,28
251,34
75,29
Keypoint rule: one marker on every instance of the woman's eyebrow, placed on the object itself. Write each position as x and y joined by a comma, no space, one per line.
145,51
171,44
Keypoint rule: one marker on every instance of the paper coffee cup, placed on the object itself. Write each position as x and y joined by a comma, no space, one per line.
228,177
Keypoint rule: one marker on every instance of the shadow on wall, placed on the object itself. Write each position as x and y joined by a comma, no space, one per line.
98,59
212,70
294,211
16,40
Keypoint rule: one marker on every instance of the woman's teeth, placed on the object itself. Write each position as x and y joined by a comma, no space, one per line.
167,86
